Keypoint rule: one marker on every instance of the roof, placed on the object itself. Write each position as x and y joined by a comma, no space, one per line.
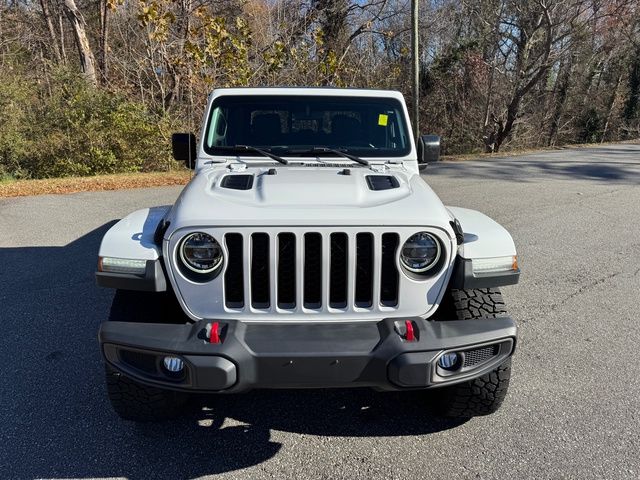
319,91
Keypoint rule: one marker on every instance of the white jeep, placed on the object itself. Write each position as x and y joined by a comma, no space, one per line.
306,252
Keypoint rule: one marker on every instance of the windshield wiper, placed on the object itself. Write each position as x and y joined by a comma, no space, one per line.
332,150
266,153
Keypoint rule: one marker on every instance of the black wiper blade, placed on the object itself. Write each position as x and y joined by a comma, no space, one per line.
335,151
266,153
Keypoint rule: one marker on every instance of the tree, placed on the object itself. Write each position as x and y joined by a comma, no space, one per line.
87,58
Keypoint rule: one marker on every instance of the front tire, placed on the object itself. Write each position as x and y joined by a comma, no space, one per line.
132,400
483,395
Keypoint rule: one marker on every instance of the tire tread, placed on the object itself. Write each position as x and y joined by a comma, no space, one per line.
483,395
134,401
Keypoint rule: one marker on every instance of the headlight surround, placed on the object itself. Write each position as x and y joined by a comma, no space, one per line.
201,253
420,253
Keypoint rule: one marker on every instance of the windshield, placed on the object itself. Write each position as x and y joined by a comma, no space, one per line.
362,126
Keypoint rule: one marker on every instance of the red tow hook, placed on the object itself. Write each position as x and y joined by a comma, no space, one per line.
214,333
410,335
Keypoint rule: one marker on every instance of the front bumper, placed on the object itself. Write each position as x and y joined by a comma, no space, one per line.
357,354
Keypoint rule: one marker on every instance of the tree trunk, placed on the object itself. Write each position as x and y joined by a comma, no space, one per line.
633,98
46,13
63,47
560,99
87,58
612,104
104,38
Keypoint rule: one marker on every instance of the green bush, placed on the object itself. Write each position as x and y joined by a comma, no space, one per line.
66,127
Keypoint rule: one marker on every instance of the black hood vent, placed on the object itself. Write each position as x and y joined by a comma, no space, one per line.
382,182
237,182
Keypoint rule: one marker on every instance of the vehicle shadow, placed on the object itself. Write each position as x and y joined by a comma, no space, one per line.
56,419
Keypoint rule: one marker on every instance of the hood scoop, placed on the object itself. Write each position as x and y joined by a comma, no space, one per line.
382,182
298,188
237,182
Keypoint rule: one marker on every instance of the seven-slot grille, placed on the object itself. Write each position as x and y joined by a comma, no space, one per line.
311,270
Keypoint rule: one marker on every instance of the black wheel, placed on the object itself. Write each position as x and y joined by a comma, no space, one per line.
483,395
134,401
130,399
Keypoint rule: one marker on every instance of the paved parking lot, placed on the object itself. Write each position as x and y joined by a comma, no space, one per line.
574,403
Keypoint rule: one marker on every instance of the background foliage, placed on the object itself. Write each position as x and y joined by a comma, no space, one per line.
96,86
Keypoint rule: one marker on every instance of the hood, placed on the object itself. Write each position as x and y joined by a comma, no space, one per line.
241,195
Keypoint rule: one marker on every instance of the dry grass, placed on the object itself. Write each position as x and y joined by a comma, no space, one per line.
54,186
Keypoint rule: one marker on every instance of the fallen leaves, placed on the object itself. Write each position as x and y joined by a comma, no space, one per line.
57,186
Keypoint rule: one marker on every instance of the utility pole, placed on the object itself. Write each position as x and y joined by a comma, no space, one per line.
415,70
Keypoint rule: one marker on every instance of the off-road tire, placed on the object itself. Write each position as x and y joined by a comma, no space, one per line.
483,395
477,303
134,401
130,399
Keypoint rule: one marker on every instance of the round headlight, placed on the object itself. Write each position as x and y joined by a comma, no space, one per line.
420,252
201,253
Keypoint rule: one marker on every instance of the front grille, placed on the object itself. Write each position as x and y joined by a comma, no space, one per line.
286,270
364,269
234,277
389,277
335,271
479,355
260,274
313,270
338,270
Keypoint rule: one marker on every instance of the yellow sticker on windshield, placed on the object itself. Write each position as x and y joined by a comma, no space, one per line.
383,119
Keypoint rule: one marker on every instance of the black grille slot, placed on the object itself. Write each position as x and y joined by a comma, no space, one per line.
338,270
233,277
389,272
382,182
364,270
142,361
260,271
479,355
286,270
312,270
237,182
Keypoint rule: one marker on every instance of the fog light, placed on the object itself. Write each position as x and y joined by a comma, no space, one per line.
173,364
449,361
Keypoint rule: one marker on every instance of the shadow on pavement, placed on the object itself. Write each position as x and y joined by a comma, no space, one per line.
612,166
57,422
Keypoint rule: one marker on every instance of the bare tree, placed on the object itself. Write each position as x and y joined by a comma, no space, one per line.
87,58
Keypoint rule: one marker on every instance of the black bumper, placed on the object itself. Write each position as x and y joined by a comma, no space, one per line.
254,355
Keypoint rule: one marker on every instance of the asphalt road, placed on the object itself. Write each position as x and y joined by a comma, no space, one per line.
574,405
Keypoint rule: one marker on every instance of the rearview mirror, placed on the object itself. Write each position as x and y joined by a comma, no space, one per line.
184,147
428,149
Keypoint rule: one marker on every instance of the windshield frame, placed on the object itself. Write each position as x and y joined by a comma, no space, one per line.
393,154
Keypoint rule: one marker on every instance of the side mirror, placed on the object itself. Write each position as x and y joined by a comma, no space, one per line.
184,148
428,149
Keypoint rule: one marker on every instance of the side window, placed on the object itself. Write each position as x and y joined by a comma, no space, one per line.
218,132
221,126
